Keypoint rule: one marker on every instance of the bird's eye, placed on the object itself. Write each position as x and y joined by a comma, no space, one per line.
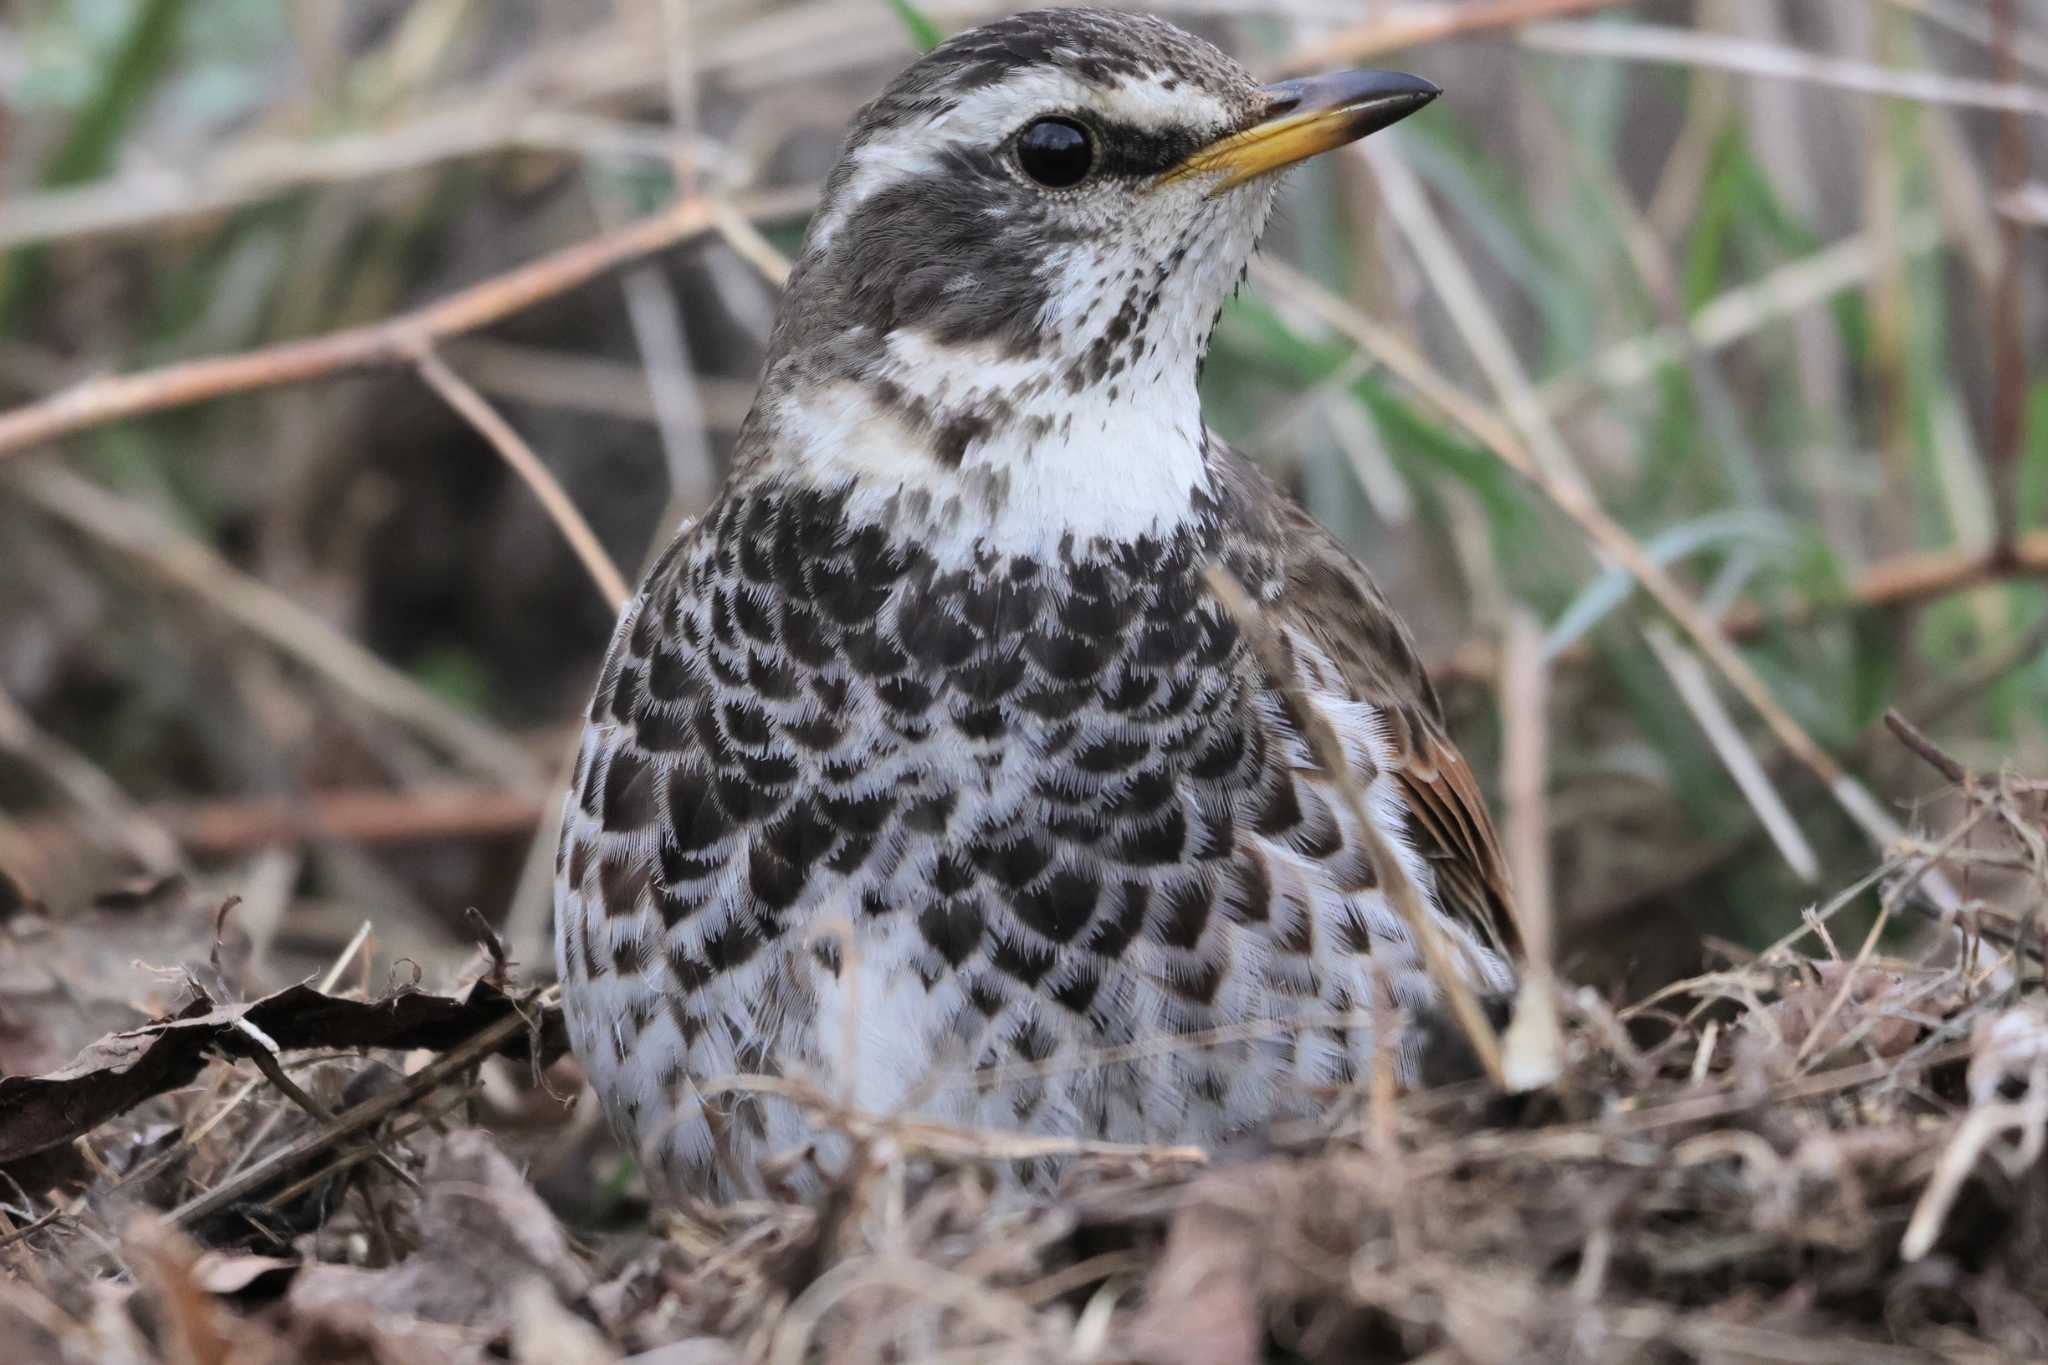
1056,152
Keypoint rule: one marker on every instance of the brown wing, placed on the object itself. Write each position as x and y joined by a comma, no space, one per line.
1326,596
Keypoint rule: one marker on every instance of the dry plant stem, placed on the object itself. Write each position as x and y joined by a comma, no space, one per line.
1915,739
1687,47
350,1122
1525,697
1906,579
266,1062
273,1117
1917,576
1696,690
9,1235
1688,1108
1783,292
514,450
582,383
1849,978
2006,432
395,340
185,563
1089,1059
1538,453
1485,338
88,788
356,1156
1607,535
940,1139
750,245
1533,1047
1652,262
1414,29
1400,892
351,815
660,330
259,170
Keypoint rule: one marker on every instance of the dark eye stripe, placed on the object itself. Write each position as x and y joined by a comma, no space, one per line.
1141,153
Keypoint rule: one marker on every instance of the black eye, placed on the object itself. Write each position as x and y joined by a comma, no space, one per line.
1056,152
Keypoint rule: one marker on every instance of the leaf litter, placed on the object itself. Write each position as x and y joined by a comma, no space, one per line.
1824,1152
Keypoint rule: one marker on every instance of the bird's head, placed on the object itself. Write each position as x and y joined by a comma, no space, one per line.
1024,247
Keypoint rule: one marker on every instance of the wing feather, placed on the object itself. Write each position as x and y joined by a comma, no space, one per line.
1326,596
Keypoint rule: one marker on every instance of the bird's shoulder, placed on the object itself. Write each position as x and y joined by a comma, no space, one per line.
1317,594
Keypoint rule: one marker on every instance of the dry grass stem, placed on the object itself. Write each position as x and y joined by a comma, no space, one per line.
1400,892
186,564
1690,679
396,340
516,453
1418,26
1691,48
1606,535
1533,1045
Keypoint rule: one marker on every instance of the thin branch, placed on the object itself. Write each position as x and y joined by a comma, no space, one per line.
1903,580
661,335
1966,20
1936,757
392,341
260,170
351,815
513,449
750,245
265,1061
355,1120
2006,432
1689,48
1919,576
1415,29
578,382
116,818
346,815
185,563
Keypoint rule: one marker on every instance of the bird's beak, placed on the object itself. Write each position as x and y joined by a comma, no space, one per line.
1306,117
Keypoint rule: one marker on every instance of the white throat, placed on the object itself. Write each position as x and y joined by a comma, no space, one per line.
1113,460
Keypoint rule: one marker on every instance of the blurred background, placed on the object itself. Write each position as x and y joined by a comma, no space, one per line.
1756,291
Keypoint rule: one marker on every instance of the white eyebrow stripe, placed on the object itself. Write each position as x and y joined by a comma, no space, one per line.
1145,102
910,150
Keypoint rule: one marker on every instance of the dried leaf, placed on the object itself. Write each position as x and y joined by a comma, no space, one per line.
124,1069
483,1232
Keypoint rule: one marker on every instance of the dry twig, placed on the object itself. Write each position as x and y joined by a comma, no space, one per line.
393,341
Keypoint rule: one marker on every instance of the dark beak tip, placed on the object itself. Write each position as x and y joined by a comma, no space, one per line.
1385,90
1399,90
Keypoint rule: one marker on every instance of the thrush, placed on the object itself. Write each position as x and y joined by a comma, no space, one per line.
926,766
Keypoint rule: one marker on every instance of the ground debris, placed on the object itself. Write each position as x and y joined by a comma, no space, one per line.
123,1069
1810,1154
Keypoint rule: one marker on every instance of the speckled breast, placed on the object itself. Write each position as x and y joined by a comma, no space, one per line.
1010,840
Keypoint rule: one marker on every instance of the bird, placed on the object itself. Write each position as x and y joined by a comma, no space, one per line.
928,768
